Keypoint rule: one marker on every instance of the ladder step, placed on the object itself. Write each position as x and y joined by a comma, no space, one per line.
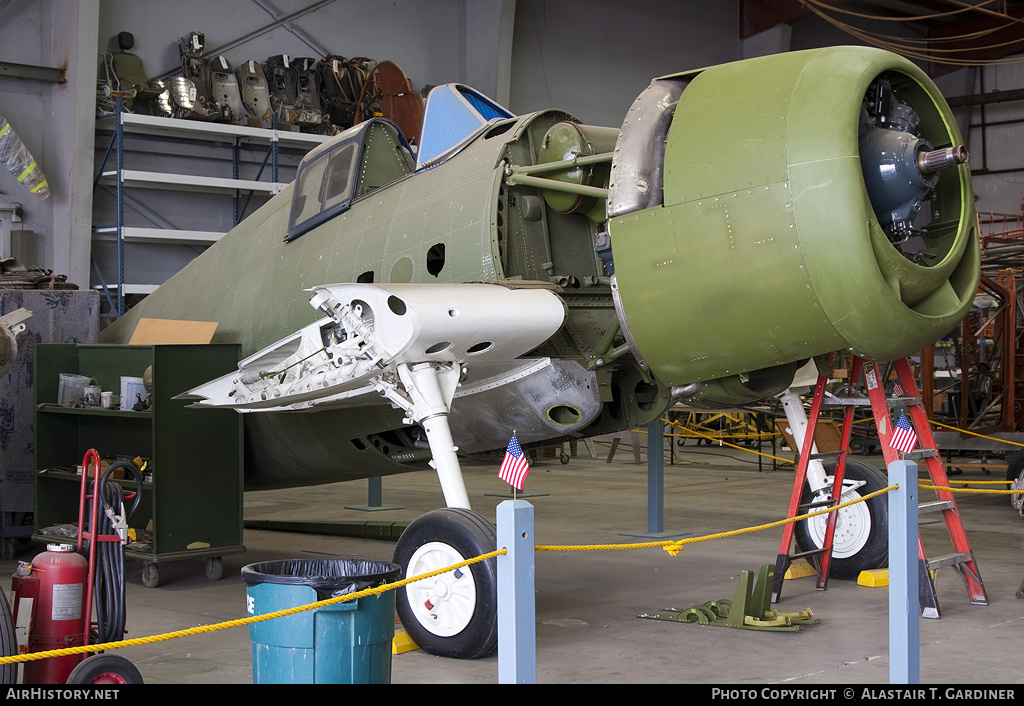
834,401
949,560
961,560
935,506
903,401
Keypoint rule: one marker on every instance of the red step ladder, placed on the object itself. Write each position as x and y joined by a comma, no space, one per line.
908,401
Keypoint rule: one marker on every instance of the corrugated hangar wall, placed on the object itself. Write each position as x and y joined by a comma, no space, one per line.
588,57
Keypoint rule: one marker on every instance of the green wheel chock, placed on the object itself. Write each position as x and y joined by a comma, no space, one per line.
719,608
780,621
761,599
749,609
740,602
804,617
699,614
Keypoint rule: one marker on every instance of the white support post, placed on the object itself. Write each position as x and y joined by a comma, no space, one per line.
517,613
796,417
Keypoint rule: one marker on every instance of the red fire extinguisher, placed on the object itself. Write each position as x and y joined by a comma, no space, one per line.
49,595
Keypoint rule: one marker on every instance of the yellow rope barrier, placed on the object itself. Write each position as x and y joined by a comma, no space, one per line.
245,621
677,425
672,547
973,490
692,432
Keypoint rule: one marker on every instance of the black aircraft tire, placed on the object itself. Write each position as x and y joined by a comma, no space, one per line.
105,669
447,615
862,533
8,644
1014,467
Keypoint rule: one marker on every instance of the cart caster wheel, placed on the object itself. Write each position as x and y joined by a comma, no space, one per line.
150,575
105,669
214,568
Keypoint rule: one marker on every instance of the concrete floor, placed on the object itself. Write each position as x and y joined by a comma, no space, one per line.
588,603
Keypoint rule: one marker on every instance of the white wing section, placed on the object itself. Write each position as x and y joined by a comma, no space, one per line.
354,354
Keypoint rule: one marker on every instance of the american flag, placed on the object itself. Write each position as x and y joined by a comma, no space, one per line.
904,438
514,467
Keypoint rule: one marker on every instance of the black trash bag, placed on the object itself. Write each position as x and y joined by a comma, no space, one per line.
328,577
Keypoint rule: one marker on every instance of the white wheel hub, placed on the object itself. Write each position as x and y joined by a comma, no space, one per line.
443,604
1017,501
853,525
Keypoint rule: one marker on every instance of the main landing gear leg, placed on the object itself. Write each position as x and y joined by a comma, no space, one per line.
454,614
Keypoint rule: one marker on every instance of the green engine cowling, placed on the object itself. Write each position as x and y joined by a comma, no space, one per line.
758,245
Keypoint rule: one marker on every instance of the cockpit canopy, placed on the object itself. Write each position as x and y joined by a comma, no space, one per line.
358,162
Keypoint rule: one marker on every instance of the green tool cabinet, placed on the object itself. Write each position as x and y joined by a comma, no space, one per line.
193,488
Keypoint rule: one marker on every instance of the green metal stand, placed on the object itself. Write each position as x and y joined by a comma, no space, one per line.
750,609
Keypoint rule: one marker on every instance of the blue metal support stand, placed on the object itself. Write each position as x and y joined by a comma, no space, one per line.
904,610
119,136
517,614
374,499
655,485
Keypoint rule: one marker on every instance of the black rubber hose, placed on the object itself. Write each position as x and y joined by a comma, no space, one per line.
108,576
8,643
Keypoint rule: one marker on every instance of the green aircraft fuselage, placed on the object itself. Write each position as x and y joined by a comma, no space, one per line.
746,236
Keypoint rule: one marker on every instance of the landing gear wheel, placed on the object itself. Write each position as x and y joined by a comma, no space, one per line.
1014,465
454,614
8,643
150,575
861,540
1014,472
214,568
1015,478
105,669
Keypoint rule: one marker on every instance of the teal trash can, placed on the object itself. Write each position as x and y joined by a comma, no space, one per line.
343,643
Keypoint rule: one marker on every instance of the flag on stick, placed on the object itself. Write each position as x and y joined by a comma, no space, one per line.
514,467
904,438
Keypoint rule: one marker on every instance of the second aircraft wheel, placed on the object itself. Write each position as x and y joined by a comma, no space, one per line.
861,540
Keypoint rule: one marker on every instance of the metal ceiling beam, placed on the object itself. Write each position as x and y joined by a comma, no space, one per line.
986,98
280,21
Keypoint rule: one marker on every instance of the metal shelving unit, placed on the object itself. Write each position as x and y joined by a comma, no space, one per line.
233,137
192,497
